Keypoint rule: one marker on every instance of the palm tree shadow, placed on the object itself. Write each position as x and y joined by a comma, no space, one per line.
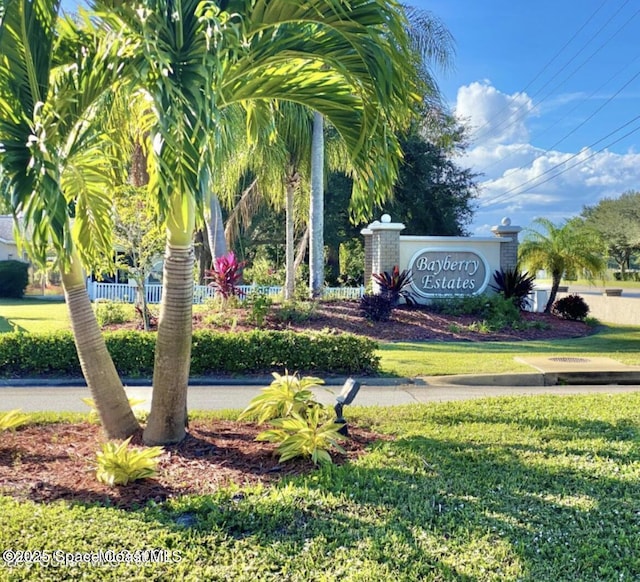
6,326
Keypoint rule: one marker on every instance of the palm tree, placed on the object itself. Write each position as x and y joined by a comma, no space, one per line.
430,44
51,84
316,209
348,62
558,249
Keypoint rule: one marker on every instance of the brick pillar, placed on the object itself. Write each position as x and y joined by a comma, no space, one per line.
385,245
368,255
509,248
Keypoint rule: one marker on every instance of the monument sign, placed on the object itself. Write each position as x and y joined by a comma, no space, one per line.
448,271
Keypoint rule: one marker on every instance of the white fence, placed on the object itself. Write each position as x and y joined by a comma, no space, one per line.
127,293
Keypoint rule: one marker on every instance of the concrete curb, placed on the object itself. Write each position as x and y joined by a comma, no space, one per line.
207,381
593,377
506,379
537,379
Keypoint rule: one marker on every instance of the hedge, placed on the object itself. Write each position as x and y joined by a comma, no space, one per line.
24,355
14,278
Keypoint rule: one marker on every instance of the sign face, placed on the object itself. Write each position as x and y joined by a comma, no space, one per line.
439,272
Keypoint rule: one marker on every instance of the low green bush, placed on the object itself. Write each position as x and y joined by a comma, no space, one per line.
302,427
28,355
117,464
108,312
571,307
376,307
462,305
14,278
46,354
12,419
296,311
494,312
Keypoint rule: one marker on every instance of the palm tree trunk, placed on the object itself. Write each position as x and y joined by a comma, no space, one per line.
118,420
141,300
168,415
555,283
316,209
290,268
215,229
302,249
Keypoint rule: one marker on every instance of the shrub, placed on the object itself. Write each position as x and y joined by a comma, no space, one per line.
502,313
263,273
110,312
375,307
12,420
258,351
296,311
259,307
221,319
302,426
23,354
309,436
515,285
226,276
394,285
14,278
477,305
117,464
494,312
286,395
262,351
571,307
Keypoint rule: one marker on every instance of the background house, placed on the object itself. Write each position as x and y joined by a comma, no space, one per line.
8,247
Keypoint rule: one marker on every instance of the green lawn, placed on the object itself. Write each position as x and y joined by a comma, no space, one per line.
621,343
33,315
533,489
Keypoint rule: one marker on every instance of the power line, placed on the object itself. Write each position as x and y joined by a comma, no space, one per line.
500,198
515,118
550,62
590,117
587,98
573,165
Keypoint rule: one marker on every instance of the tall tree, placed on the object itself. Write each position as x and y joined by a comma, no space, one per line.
558,249
430,45
51,85
347,62
617,220
139,238
433,196
316,209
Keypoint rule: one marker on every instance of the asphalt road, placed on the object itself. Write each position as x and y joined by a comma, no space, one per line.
599,289
68,398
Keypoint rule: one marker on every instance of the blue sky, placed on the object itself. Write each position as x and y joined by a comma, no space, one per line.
539,83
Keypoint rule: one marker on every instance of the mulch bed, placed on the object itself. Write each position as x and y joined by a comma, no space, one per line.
406,324
50,462
419,324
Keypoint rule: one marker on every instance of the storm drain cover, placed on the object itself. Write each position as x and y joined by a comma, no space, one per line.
572,360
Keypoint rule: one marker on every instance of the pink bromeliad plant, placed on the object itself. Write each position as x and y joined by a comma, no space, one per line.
226,275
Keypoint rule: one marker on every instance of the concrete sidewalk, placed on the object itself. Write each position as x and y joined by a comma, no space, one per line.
552,371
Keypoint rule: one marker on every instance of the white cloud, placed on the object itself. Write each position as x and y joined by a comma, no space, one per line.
524,182
492,115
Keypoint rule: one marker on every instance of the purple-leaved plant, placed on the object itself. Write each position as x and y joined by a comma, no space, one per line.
226,275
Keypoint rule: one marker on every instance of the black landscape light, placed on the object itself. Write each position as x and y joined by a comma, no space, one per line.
346,396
